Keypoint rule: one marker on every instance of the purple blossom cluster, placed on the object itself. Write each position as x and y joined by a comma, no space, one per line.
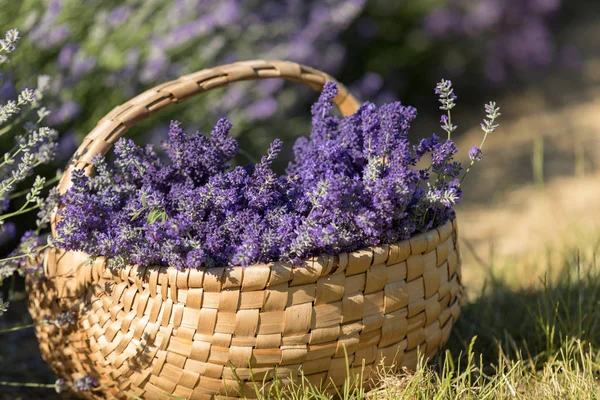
30,145
82,384
353,183
116,49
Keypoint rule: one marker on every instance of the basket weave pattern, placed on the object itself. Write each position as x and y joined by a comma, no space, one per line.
193,333
157,332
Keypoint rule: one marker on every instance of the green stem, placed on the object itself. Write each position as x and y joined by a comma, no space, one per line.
473,161
16,195
20,211
7,128
38,250
13,156
18,328
28,384
449,124
483,140
18,121
248,155
11,290
466,172
14,180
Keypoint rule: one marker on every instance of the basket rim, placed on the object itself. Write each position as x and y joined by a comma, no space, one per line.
251,278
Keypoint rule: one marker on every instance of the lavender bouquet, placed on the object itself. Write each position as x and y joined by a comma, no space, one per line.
355,182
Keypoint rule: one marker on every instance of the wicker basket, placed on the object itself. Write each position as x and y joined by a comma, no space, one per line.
157,332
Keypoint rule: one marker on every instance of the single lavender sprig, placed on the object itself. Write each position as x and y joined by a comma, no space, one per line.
32,150
84,383
447,98
36,385
8,44
8,110
63,320
489,125
81,384
12,111
23,258
32,199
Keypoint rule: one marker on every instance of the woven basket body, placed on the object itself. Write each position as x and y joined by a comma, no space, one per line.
157,332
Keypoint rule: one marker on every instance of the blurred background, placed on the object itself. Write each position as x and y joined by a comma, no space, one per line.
537,187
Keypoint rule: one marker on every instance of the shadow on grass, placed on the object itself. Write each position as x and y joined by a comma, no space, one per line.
20,359
515,342
532,323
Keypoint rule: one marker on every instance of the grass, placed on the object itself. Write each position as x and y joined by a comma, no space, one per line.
535,342
540,341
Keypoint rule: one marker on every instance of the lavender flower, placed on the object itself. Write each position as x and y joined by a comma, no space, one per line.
306,32
475,154
60,385
489,125
352,183
8,44
84,383
62,320
446,95
3,306
447,99
19,260
441,155
492,113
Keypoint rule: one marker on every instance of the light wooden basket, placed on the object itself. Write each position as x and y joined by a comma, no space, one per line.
155,333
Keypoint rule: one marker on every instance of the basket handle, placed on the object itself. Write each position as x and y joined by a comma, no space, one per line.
116,123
